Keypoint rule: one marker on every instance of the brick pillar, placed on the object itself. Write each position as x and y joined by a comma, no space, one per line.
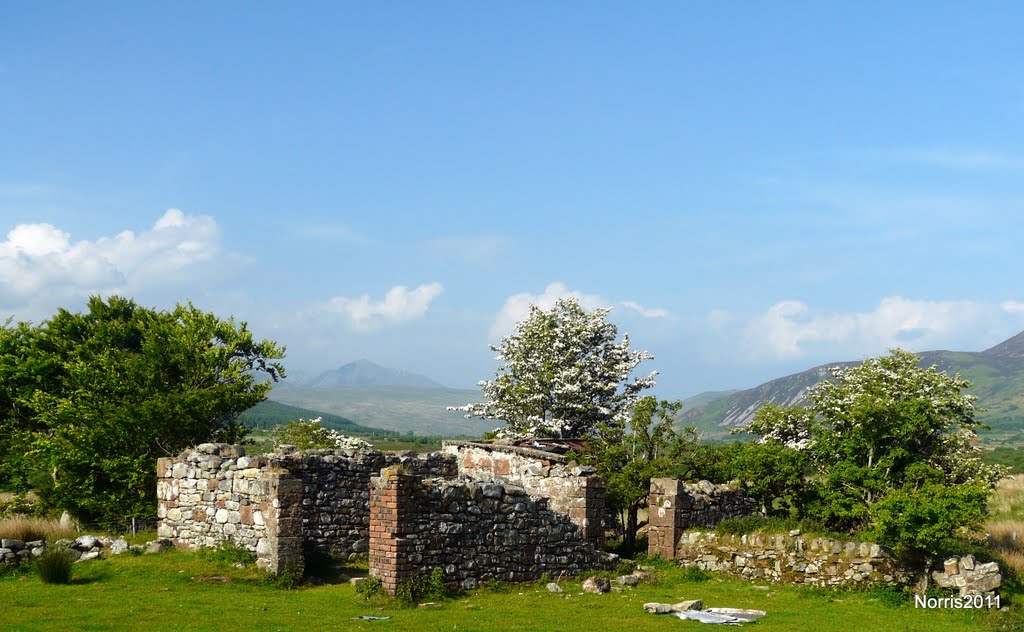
665,519
392,509
282,551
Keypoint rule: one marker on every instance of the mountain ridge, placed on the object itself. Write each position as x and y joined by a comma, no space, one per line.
997,376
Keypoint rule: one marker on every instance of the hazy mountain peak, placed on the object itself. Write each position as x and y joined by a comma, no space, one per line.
363,372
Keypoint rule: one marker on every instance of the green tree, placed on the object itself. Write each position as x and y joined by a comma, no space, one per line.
628,456
310,435
563,375
95,398
880,426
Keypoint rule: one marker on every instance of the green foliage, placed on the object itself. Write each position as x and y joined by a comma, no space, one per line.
55,565
563,375
1010,458
226,553
412,590
775,477
310,435
890,447
628,457
89,401
370,587
932,519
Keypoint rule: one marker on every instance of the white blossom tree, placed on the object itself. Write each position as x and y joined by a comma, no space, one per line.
562,374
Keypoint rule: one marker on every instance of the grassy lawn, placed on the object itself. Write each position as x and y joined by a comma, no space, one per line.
182,591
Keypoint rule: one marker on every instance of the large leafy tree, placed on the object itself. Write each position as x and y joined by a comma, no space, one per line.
884,436
91,400
628,456
562,375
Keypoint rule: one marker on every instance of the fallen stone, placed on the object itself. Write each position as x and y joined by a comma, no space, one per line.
658,608
596,585
692,604
156,546
91,555
84,542
743,614
355,581
628,580
14,545
118,546
553,587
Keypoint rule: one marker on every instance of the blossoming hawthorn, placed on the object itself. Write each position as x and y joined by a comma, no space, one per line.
562,375
310,434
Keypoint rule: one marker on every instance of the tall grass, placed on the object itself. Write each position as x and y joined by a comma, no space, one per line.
27,529
55,565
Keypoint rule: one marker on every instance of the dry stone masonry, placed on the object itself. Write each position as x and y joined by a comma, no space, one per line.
282,505
792,559
476,510
676,506
472,531
570,489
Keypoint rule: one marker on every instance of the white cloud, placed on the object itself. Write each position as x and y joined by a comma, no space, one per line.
517,306
40,263
646,312
1013,307
398,305
789,329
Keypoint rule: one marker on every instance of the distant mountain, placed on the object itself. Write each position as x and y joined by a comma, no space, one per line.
402,409
366,373
997,375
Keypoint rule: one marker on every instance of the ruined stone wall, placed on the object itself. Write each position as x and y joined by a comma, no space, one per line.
216,494
282,505
792,559
676,506
472,531
571,489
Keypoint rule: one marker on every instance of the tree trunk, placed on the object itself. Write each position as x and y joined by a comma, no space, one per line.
629,537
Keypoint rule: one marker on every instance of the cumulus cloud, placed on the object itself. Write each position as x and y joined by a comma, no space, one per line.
517,306
789,329
41,260
400,304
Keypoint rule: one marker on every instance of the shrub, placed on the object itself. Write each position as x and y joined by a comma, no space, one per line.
228,553
411,590
55,565
370,587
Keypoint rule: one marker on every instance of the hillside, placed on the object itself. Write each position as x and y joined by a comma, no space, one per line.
997,375
402,409
268,414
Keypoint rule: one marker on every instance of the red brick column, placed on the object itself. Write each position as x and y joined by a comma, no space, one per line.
664,519
392,509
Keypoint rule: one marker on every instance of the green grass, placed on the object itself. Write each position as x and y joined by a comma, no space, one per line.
178,590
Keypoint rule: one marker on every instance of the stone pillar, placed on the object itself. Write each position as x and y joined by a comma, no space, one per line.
665,519
587,509
281,550
392,510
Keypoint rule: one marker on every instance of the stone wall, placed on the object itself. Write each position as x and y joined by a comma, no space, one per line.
676,506
472,531
282,505
968,575
792,559
570,488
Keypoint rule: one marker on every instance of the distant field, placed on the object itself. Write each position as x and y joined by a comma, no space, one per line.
421,410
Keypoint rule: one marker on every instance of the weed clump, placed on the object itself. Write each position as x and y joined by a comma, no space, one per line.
55,565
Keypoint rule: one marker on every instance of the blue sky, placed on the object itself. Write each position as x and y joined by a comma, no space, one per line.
753,188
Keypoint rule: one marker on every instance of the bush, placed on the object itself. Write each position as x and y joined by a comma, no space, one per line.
695,575
370,587
227,553
412,590
55,565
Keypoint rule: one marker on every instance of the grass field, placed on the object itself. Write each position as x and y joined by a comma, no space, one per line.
185,591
